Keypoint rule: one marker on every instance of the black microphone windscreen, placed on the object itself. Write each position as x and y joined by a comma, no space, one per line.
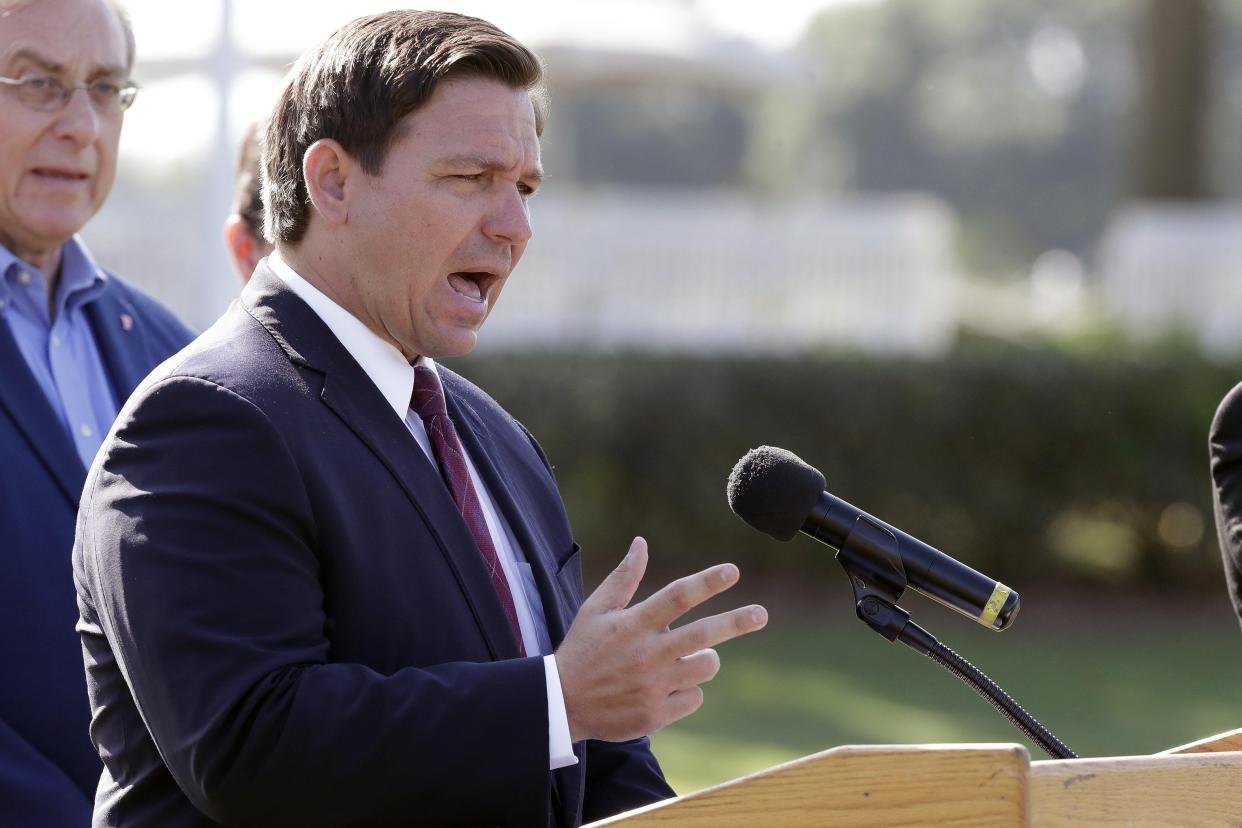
774,491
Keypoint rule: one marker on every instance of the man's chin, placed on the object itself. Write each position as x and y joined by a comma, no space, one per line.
55,227
452,343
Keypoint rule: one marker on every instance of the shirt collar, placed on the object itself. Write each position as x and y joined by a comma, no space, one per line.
81,279
382,361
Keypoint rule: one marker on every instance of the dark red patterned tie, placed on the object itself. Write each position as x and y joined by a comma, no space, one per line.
428,403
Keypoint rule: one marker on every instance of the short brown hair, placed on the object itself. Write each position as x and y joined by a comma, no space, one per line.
247,195
358,86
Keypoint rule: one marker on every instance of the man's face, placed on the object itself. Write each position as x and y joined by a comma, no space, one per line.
437,232
57,167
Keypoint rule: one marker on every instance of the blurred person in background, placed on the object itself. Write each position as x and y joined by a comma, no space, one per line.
243,229
74,342
325,580
1225,445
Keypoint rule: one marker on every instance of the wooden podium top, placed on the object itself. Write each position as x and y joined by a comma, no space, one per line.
977,785
872,785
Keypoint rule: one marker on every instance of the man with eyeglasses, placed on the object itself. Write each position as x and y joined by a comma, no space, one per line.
74,341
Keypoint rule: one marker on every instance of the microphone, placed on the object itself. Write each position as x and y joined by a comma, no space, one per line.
777,493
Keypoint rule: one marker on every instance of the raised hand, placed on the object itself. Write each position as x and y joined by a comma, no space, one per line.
624,671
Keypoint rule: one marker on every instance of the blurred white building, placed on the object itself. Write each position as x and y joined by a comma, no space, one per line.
709,272
1165,266
659,267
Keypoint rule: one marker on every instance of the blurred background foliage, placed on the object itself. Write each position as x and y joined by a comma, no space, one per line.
1084,460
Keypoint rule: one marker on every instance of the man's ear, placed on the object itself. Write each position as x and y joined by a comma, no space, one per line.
326,167
241,246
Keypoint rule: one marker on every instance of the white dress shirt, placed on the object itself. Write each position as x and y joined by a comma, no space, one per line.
394,377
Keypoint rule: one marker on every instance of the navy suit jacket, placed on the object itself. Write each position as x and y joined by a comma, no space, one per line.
285,618
48,768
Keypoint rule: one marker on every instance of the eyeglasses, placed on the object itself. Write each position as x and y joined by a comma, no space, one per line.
49,93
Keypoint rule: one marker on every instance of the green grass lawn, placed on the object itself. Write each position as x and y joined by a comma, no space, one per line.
1105,681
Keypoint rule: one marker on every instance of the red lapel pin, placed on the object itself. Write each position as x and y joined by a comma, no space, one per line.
127,322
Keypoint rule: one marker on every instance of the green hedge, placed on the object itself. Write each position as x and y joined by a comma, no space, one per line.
1026,462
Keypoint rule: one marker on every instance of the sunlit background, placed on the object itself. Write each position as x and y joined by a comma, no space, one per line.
210,67
979,260
777,174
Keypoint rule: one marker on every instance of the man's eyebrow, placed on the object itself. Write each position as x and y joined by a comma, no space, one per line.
485,162
52,66
43,61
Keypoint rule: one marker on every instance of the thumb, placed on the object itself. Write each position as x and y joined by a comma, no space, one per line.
617,590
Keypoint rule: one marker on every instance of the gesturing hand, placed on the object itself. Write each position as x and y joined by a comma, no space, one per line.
624,672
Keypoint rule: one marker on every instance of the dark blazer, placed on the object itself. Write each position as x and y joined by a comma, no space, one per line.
286,620
1225,445
48,768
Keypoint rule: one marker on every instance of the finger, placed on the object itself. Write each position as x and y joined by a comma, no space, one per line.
683,703
713,630
695,669
676,599
617,590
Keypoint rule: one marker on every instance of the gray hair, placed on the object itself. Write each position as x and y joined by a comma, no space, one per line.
118,7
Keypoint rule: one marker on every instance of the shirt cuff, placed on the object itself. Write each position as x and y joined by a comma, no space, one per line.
560,749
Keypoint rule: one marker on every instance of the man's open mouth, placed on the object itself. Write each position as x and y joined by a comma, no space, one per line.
473,284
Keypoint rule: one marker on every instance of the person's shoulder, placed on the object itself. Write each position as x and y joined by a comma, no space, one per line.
236,354
1225,433
499,421
150,311
471,396
461,387
467,394
1230,408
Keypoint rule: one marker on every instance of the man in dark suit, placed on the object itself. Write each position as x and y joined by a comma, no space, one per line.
326,581
74,342
1225,445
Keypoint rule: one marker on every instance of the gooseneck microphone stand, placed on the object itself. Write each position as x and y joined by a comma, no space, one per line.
894,623
878,586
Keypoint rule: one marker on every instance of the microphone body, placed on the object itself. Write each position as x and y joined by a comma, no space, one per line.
779,494
860,538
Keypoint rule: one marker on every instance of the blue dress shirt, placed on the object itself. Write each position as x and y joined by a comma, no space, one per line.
59,348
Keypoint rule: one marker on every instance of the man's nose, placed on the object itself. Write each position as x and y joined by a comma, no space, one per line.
509,222
79,120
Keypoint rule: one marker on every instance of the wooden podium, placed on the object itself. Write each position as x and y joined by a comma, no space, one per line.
976,785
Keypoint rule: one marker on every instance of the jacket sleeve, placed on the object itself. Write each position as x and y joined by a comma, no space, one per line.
621,776
200,556
1225,443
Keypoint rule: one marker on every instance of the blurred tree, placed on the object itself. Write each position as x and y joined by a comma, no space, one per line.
1019,114
670,135
1171,140
1224,134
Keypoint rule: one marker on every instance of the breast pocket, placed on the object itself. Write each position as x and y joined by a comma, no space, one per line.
569,576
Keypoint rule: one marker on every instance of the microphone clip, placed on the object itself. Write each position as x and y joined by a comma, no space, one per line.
870,558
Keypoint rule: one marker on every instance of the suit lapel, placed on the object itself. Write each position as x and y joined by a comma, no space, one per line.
567,783
362,407
351,395
26,404
122,346
484,451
